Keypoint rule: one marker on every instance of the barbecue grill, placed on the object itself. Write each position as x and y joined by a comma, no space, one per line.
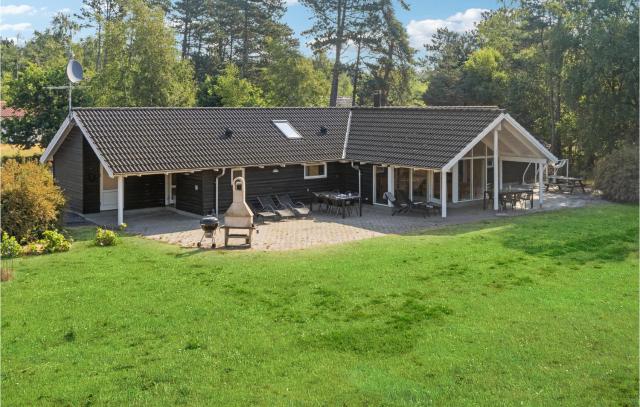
209,224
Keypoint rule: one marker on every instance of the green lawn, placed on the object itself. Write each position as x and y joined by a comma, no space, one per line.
536,310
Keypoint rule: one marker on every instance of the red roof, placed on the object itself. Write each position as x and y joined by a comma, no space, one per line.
7,112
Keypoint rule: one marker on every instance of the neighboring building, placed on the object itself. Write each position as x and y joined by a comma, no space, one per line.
127,158
8,113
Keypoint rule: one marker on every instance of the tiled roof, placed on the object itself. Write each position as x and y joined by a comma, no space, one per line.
138,140
415,137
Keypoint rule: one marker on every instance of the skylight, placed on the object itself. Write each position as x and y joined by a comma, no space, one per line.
287,129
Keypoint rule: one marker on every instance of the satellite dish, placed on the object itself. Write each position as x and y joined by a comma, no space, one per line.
74,71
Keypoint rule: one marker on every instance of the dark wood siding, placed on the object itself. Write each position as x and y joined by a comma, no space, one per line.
209,191
144,192
189,193
367,183
289,179
91,179
67,169
512,172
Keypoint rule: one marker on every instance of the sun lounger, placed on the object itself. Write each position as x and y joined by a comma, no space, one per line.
269,204
298,208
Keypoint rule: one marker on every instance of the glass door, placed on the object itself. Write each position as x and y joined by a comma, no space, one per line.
380,183
420,186
402,179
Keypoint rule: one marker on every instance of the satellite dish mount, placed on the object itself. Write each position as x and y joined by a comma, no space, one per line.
75,75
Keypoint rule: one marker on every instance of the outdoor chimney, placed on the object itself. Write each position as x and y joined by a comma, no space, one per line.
238,215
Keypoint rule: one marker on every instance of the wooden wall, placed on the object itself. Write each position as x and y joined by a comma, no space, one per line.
146,191
67,169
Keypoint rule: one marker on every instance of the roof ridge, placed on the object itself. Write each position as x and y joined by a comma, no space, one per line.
124,108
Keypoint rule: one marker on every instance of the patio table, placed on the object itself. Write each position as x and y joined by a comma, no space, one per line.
571,182
340,200
508,194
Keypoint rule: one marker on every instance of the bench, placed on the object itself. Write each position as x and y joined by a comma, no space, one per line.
569,182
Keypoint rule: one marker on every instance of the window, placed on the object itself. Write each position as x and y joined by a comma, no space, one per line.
235,173
313,171
287,129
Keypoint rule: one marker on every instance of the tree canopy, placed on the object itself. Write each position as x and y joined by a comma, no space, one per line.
567,70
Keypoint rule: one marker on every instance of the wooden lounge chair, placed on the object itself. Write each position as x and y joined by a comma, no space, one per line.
398,207
298,208
268,204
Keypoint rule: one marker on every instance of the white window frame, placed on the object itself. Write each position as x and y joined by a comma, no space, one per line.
315,176
287,129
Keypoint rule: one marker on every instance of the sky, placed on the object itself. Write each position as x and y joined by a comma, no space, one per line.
20,18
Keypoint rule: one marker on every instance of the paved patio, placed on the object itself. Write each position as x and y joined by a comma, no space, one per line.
321,229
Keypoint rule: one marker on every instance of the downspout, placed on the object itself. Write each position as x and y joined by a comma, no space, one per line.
217,178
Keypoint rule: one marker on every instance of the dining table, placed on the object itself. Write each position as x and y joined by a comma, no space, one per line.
509,193
340,200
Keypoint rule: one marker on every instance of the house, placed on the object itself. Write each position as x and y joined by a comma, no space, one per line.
127,158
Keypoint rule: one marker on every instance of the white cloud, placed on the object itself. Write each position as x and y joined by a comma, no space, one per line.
290,2
65,10
12,10
420,31
16,27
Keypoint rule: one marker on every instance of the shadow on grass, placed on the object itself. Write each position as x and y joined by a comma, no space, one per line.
601,233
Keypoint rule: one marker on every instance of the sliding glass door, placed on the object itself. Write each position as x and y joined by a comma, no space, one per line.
380,184
420,186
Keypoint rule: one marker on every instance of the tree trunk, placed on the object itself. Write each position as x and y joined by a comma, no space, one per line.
245,41
335,75
356,72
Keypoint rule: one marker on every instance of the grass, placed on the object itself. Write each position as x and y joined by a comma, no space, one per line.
537,310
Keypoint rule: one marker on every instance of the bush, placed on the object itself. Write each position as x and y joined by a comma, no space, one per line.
31,202
105,237
616,174
9,247
54,241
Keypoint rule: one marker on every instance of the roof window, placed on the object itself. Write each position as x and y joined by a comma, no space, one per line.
287,129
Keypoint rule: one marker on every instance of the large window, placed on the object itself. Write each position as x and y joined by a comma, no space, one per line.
420,185
464,179
314,171
380,183
472,173
402,178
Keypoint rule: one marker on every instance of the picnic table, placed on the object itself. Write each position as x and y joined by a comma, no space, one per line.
509,193
340,200
570,182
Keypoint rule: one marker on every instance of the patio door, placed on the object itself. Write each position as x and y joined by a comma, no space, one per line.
380,184
402,179
108,191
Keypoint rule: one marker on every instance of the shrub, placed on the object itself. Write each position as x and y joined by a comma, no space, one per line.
9,247
616,174
105,237
31,202
54,241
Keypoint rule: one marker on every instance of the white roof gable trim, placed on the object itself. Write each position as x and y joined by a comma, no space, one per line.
62,134
496,124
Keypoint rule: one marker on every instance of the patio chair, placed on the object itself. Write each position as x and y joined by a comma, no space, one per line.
298,208
262,214
268,204
398,207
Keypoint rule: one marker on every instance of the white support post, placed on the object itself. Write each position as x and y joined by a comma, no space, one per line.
390,182
541,184
454,183
120,200
496,168
443,192
501,174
